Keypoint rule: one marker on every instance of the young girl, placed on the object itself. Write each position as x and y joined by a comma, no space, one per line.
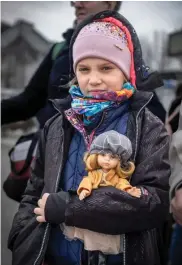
109,71
107,163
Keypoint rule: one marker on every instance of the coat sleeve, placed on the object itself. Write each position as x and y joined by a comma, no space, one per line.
176,159
32,99
31,195
110,211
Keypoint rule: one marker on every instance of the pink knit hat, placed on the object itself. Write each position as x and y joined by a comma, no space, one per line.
103,40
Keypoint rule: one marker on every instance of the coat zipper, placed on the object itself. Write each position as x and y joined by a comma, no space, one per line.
136,144
91,135
56,188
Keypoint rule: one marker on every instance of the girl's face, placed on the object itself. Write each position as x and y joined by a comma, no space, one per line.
107,161
97,76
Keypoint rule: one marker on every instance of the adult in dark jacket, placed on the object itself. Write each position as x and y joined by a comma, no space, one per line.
60,147
173,113
176,182
52,74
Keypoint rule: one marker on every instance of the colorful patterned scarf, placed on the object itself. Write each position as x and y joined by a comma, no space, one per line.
90,106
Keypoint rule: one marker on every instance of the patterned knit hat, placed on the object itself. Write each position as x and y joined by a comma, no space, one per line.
103,40
114,143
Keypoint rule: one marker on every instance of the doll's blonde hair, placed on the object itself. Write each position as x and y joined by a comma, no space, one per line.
122,171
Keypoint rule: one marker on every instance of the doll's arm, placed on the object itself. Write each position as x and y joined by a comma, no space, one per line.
86,185
123,184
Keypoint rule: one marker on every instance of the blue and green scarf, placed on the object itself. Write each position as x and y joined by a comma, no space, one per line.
90,106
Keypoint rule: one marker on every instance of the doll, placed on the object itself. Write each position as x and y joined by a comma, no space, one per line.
107,165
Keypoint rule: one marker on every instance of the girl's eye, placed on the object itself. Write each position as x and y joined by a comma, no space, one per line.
113,157
83,69
107,68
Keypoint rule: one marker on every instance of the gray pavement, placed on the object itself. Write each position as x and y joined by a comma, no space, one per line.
8,206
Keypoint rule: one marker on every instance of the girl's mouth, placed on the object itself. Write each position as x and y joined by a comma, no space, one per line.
94,92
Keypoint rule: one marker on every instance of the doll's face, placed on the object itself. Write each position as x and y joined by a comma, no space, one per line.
107,161
97,76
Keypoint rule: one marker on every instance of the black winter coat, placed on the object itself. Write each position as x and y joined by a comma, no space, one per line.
145,217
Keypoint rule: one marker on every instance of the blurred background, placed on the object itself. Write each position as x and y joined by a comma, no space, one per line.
29,29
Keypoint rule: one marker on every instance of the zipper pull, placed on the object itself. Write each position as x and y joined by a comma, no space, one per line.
91,136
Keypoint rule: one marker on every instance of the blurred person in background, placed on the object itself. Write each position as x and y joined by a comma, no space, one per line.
173,113
54,72
172,121
176,193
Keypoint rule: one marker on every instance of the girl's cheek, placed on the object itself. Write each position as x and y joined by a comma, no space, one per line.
81,81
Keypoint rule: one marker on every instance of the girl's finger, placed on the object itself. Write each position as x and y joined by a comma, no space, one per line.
40,219
38,211
40,203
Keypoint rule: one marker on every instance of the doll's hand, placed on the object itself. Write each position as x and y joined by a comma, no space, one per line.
40,212
135,192
83,194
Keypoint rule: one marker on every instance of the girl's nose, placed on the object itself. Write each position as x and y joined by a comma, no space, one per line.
94,80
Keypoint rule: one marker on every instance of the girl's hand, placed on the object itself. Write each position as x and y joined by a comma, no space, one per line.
83,194
40,211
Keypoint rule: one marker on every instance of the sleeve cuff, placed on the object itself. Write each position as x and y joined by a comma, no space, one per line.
55,207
